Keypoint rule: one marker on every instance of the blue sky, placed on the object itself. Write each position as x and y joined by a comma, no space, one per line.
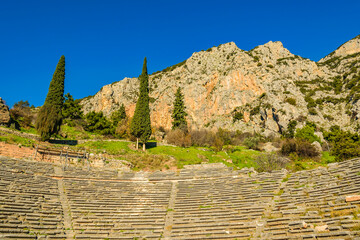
105,41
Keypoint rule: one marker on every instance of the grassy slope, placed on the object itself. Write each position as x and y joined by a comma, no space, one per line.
162,157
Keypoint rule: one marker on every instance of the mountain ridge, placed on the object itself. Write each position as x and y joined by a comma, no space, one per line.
225,79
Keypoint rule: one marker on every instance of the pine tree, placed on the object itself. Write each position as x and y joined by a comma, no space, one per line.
140,125
49,118
71,108
118,115
179,114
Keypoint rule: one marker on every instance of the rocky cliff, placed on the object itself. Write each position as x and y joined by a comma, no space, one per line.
4,113
258,90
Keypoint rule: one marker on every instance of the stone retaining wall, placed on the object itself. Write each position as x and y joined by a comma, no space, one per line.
16,151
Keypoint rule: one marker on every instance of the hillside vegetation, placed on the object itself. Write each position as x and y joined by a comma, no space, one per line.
265,108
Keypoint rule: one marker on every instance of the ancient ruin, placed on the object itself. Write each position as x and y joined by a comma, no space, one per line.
41,200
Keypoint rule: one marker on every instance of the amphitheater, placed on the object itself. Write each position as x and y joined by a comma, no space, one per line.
41,200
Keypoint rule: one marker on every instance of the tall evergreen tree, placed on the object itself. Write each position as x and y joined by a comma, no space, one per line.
140,126
179,114
49,118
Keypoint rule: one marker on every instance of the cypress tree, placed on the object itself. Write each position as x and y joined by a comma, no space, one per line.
50,117
179,113
140,126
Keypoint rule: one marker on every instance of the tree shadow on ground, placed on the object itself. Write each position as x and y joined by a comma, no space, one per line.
64,142
150,145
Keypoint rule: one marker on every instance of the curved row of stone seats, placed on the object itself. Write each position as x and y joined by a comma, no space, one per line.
312,205
189,172
29,204
27,167
224,208
108,209
90,173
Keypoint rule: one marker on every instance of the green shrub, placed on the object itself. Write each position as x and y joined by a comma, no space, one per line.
291,101
337,84
328,117
307,133
237,115
118,115
310,101
312,111
97,123
345,145
252,142
262,95
303,90
290,132
255,110
268,162
224,135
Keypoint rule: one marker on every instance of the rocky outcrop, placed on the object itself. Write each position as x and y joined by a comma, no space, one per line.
268,86
4,113
349,48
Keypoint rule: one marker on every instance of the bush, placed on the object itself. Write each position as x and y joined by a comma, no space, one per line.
346,145
301,118
97,122
237,116
328,117
306,149
288,147
252,142
299,147
218,144
202,138
269,162
123,128
307,133
118,115
290,132
312,111
179,138
22,114
291,101
310,101
224,135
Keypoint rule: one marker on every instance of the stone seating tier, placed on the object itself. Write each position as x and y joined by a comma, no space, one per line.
43,201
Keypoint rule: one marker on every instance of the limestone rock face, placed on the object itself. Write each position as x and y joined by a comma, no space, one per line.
4,113
268,85
348,48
